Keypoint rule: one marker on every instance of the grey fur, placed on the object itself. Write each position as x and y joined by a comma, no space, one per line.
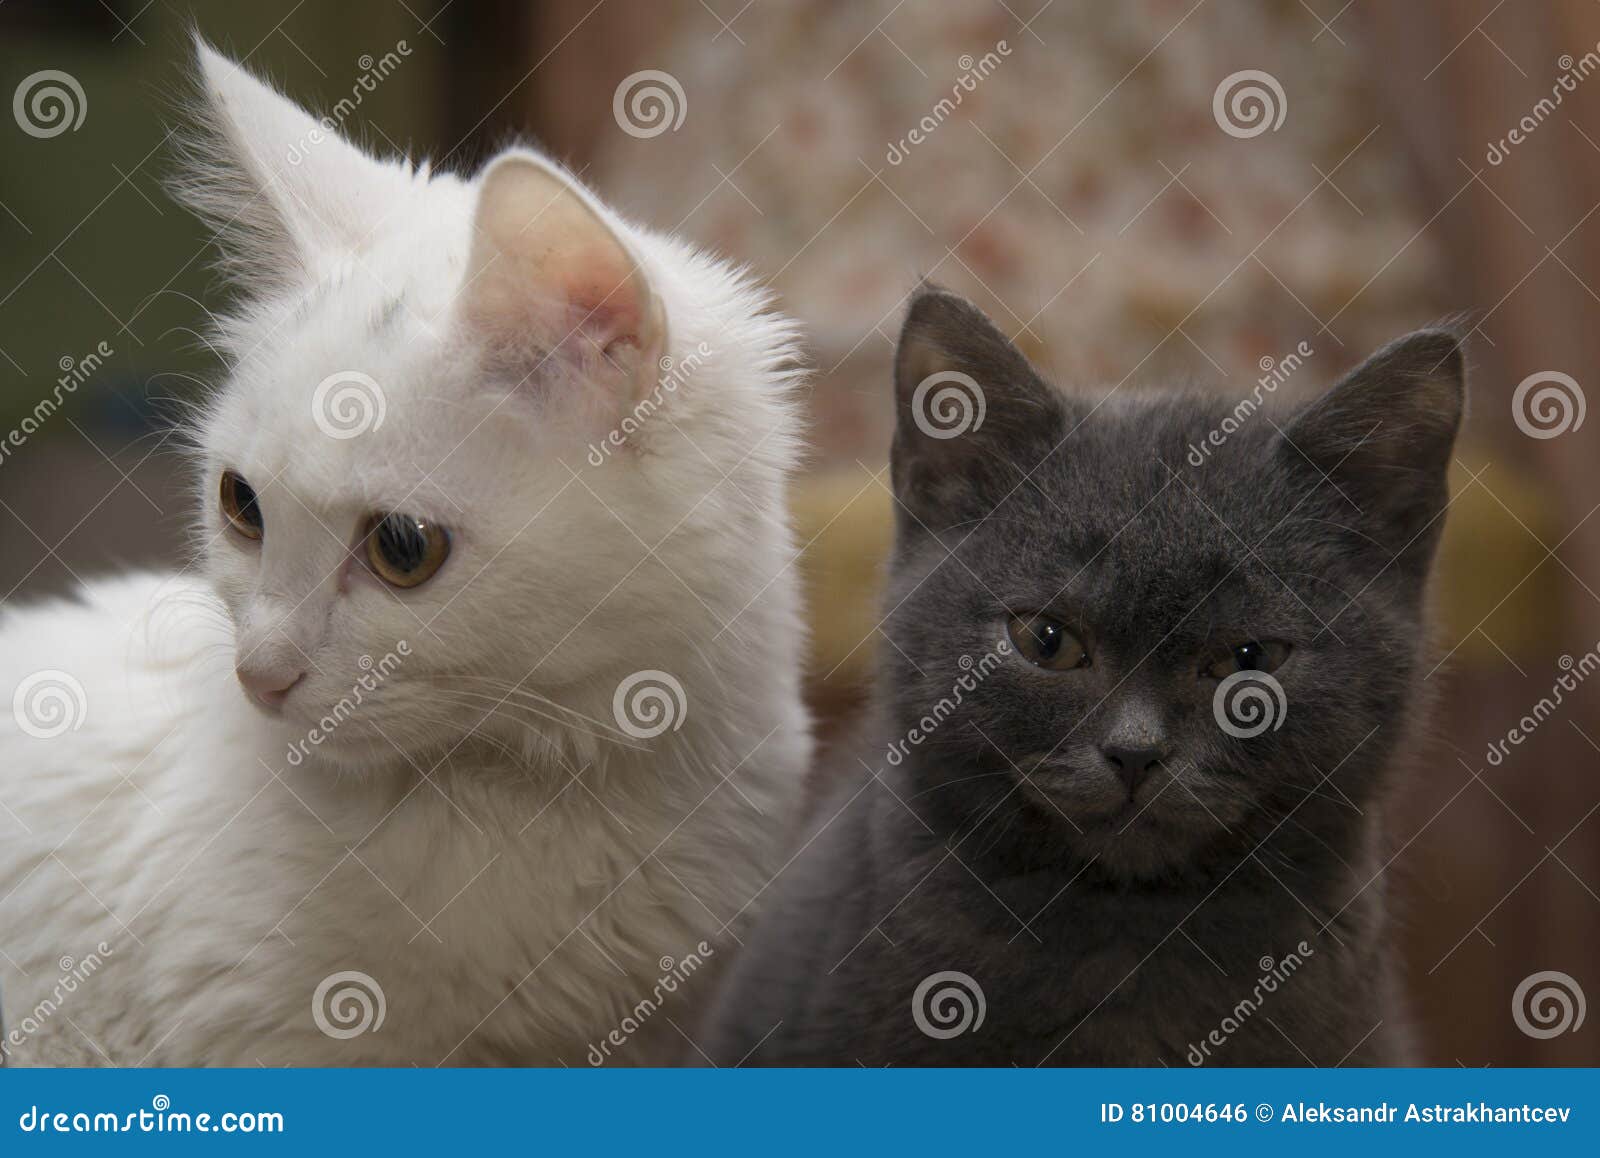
1103,927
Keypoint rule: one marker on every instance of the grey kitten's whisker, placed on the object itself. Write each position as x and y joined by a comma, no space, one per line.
1341,526
953,783
1340,800
998,835
1324,580
1309,832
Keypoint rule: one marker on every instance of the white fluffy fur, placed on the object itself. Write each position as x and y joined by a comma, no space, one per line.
484,787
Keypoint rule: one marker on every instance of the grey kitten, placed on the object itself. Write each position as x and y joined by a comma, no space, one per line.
1152,667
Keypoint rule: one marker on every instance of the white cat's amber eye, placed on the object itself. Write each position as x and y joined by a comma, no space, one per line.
1045,643
240,507
1264,655
404,551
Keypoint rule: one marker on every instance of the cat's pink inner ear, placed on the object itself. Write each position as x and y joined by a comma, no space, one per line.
549,276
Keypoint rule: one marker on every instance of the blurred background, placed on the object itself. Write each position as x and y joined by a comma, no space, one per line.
1139,193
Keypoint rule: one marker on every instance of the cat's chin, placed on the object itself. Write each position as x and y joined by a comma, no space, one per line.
352,747
343,754
1154,832
1138,851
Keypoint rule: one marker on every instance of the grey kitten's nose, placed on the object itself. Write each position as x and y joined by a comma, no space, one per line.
1133,761
269,687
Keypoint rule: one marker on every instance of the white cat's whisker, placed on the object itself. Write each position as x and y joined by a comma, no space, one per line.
449,728
511,689
505,704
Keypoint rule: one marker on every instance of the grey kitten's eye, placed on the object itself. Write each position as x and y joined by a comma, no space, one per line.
404,551
239,506
1264,656
1043,642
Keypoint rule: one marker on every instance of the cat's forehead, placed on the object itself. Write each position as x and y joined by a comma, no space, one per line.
1154,462
352,321
360,394
1118,506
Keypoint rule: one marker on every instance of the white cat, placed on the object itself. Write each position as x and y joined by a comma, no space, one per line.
485,455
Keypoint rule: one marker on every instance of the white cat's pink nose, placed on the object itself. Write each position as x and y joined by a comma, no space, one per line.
268,686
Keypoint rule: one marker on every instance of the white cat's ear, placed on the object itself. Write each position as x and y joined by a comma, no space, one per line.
285,192
550,278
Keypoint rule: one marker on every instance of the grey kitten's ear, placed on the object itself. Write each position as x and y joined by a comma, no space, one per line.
971,413
285,192
1384,434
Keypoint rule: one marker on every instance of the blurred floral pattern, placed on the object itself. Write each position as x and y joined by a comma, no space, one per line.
1113,243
